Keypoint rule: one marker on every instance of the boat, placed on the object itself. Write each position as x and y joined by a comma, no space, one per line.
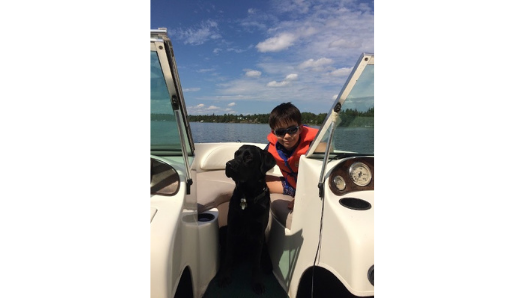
323,248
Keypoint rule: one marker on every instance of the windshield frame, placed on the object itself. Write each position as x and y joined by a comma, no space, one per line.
174,101
161,44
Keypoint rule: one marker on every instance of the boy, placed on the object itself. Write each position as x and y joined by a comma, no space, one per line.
288,140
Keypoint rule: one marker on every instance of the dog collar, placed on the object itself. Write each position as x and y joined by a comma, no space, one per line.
243,201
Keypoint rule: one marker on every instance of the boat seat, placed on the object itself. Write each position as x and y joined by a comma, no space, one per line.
279,209
213,189
217,157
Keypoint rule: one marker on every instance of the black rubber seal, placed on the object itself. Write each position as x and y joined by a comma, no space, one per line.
371,275
355,204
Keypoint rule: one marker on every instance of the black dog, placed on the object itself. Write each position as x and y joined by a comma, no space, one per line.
248,213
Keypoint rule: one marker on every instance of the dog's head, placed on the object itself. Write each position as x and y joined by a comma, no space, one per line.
250,163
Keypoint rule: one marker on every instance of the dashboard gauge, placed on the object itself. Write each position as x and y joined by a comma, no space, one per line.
340,184
360,174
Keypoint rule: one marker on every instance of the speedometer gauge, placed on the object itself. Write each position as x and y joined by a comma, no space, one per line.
360,173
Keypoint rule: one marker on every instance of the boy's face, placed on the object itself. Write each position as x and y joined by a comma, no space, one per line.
288,134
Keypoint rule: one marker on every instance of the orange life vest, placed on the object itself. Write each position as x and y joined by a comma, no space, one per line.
289,166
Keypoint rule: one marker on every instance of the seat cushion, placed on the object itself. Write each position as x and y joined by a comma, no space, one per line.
279,209
216,158
213,189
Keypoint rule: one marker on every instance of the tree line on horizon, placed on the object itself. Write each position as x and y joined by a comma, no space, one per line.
307,118
349,117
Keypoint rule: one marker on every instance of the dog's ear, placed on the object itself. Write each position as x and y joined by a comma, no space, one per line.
268,161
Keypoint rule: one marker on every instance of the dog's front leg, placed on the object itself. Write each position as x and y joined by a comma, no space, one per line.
257,281
234,225
224,277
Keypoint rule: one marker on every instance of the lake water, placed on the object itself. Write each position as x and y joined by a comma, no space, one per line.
229,132
358,139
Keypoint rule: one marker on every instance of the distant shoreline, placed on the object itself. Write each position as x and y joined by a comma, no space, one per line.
348,117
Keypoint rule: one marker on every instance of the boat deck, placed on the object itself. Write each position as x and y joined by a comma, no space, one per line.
240,287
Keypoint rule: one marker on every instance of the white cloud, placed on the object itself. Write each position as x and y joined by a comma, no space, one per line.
305,32
277,84
285,82
277,43
316,64
340,32
202,109
231,104
291,77
253,73
199,35
341,72
190,89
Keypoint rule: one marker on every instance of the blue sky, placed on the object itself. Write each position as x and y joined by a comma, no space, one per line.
246,57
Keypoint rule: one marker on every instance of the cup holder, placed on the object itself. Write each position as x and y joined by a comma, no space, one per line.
205,217
355,204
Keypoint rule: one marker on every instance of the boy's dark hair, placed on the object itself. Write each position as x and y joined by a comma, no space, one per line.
284,114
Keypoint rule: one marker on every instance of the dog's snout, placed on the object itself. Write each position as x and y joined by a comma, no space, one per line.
231,164
230,168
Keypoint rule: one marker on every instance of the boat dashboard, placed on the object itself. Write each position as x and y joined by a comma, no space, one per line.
352,174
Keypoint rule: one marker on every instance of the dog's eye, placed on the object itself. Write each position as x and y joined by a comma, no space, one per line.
248,157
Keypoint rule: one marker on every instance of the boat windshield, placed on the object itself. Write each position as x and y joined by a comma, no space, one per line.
165,135
352,115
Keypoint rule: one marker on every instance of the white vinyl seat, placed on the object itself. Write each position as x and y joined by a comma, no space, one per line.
279,209
213,188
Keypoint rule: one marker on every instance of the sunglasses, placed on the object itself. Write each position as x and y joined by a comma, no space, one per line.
283,131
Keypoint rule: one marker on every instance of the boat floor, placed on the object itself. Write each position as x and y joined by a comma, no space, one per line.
241,285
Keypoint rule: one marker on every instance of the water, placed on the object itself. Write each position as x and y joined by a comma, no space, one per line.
229,132
357,139
361,139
